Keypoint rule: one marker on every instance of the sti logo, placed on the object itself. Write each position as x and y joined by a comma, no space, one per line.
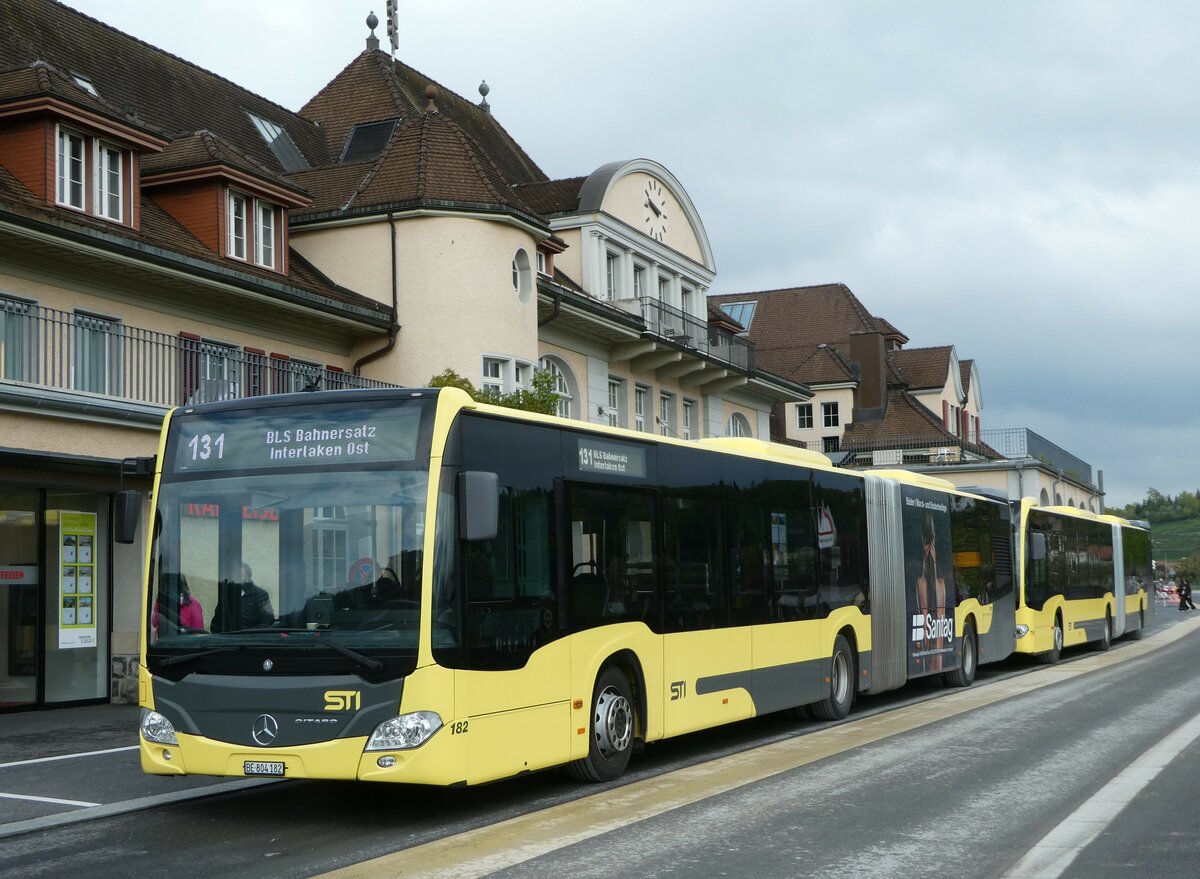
342,700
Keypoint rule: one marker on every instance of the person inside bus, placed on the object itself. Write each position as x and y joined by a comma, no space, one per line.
242,603
187,616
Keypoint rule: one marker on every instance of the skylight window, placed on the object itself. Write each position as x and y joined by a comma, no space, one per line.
367,140
280,143
84,83
742,312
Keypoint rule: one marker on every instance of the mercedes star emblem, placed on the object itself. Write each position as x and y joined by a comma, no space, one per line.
265,729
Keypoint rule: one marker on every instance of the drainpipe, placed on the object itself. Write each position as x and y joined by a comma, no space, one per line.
372,356
553,314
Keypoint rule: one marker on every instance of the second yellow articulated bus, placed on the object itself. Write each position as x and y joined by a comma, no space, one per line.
1084,578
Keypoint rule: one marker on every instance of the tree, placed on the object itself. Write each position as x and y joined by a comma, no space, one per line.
541,396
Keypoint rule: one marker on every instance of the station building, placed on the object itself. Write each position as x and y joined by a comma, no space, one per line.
167,236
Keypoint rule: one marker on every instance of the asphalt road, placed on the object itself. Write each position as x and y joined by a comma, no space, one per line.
924,782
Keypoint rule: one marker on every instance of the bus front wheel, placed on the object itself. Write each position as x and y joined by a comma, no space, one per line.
1051,657
610,728
837,704
964,675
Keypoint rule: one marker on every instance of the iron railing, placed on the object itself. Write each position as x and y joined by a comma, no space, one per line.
691,332
1021,442
47,348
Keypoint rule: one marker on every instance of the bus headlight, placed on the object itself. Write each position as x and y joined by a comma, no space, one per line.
405,732
1022,630
156,728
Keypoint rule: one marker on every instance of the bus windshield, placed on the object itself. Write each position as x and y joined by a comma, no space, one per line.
256,545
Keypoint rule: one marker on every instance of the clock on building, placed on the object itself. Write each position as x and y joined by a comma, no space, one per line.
656,210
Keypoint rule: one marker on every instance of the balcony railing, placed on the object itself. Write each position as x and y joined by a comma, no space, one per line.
899,451
682,328
51,349
1021,442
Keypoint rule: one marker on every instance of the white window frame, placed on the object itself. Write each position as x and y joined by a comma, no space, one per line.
639,281
640,393
689,409
541,263
264,234
738,425
666,413
562,385
107,188
804,416
613,411
71,169
612,275
830,417
236,233
493,374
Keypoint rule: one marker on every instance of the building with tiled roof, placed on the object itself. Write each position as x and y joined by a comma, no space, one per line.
168,236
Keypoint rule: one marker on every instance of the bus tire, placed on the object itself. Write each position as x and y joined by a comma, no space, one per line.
1051,657
964,675
837,704
1136,633
611,728
1105,641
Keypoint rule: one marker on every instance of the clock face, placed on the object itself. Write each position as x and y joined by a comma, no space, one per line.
656,211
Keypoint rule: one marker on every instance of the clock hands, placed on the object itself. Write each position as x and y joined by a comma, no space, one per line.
650,204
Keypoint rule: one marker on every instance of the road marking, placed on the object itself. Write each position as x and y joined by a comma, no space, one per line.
68,756
47,800
1058,849
490,849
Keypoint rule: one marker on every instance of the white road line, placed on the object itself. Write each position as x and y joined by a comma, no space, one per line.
68,756
47,800
1056,851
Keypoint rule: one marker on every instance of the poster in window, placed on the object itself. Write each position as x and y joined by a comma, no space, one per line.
77,582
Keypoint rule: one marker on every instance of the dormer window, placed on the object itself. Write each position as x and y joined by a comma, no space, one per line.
102,167
71,169
250,229
84,83
109,181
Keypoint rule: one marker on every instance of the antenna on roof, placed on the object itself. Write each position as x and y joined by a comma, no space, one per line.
484,88
393,28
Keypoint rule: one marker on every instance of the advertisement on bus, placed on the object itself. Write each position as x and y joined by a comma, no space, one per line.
928,580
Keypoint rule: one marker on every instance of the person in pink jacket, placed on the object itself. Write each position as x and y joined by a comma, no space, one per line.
190,615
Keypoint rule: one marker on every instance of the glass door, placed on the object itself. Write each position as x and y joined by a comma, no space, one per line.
18,598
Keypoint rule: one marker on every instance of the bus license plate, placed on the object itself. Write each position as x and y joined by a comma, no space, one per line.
256,767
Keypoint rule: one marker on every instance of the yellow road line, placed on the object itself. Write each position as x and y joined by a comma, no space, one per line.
488,849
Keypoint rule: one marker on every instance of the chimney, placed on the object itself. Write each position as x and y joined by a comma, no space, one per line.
870,397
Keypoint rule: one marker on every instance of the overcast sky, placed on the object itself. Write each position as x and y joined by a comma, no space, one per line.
1018,179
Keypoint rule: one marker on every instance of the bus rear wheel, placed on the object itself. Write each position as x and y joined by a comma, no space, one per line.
1051,657
837,704
1105,641
611,730
1135,634
964,675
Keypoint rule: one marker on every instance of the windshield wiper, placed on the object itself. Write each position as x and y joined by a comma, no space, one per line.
360,658
181,658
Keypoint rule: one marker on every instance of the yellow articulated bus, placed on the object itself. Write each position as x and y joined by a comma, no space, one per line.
1083,578
405,585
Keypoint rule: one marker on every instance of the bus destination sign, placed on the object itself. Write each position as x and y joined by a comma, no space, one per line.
237,441
614,459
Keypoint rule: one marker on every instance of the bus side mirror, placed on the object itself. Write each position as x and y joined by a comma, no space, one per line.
1037,546
128,513
478,505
